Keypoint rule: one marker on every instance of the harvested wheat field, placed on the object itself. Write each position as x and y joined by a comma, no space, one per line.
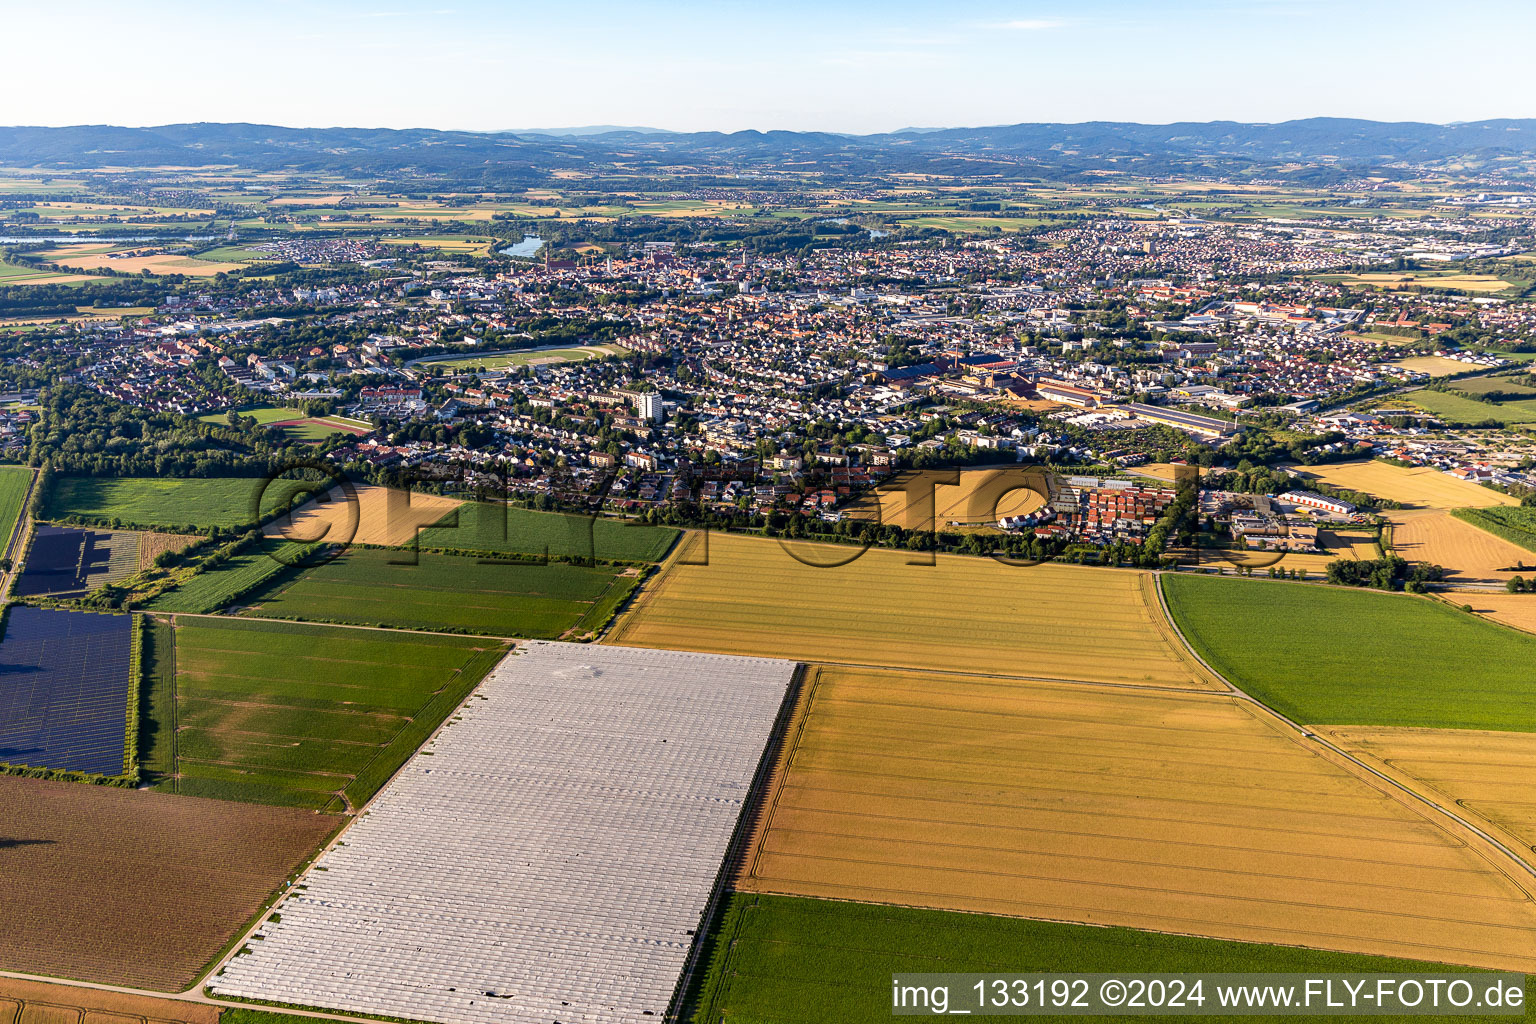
380,515
928,500
1186,813
1042,621
1469,555
1420,487
1517,610
152,545
1487,773
39,1002
136,888
1435,366
138,261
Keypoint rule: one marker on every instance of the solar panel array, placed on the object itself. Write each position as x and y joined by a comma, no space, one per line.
66,560
548,857
64,678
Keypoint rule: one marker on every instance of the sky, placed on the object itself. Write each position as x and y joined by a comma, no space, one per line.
832,65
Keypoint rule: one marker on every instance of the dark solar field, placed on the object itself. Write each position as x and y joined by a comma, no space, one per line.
64,680
65,559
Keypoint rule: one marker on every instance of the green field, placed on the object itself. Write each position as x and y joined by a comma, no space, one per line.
370,586
262,414
500,530
1325,655
1501,382
292,714
13,491
787,960
1515,523
1457,409
156,503
211,589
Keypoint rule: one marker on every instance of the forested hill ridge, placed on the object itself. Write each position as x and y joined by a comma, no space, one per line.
1315,147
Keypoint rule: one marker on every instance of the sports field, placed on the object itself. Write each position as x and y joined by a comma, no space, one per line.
499,529
1470,556
786,960
162,502
1420,487
1045,621
293,714
132,888
1358,657
364,515
927,500
371,586
294,424
531,357
1487,773
1104,806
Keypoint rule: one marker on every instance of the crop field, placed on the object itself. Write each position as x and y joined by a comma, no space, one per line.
499,529
1435,366
1336,656
134,888
69,560
1503,381
242,573
1420,487
1470,555
65,701
136,261
387,516
449,592
787,960
1045,621
1517,611
926,500
1457,409
14,481
309,716
1514,524
163,503
1058,801
1487,773
152,545
1336,545
41,1002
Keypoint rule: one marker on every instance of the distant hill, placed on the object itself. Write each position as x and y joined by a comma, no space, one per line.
591,129
1313,147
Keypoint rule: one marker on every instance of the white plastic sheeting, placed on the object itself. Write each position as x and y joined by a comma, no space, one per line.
546,858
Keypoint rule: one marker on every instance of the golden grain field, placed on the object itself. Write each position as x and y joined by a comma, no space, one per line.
1517,610
1435,366
1470,555
1487,773
1189,813
1420,487
927,500
383,515
1044,621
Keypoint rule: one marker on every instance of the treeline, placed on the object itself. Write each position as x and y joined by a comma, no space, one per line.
1390,573
84,432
